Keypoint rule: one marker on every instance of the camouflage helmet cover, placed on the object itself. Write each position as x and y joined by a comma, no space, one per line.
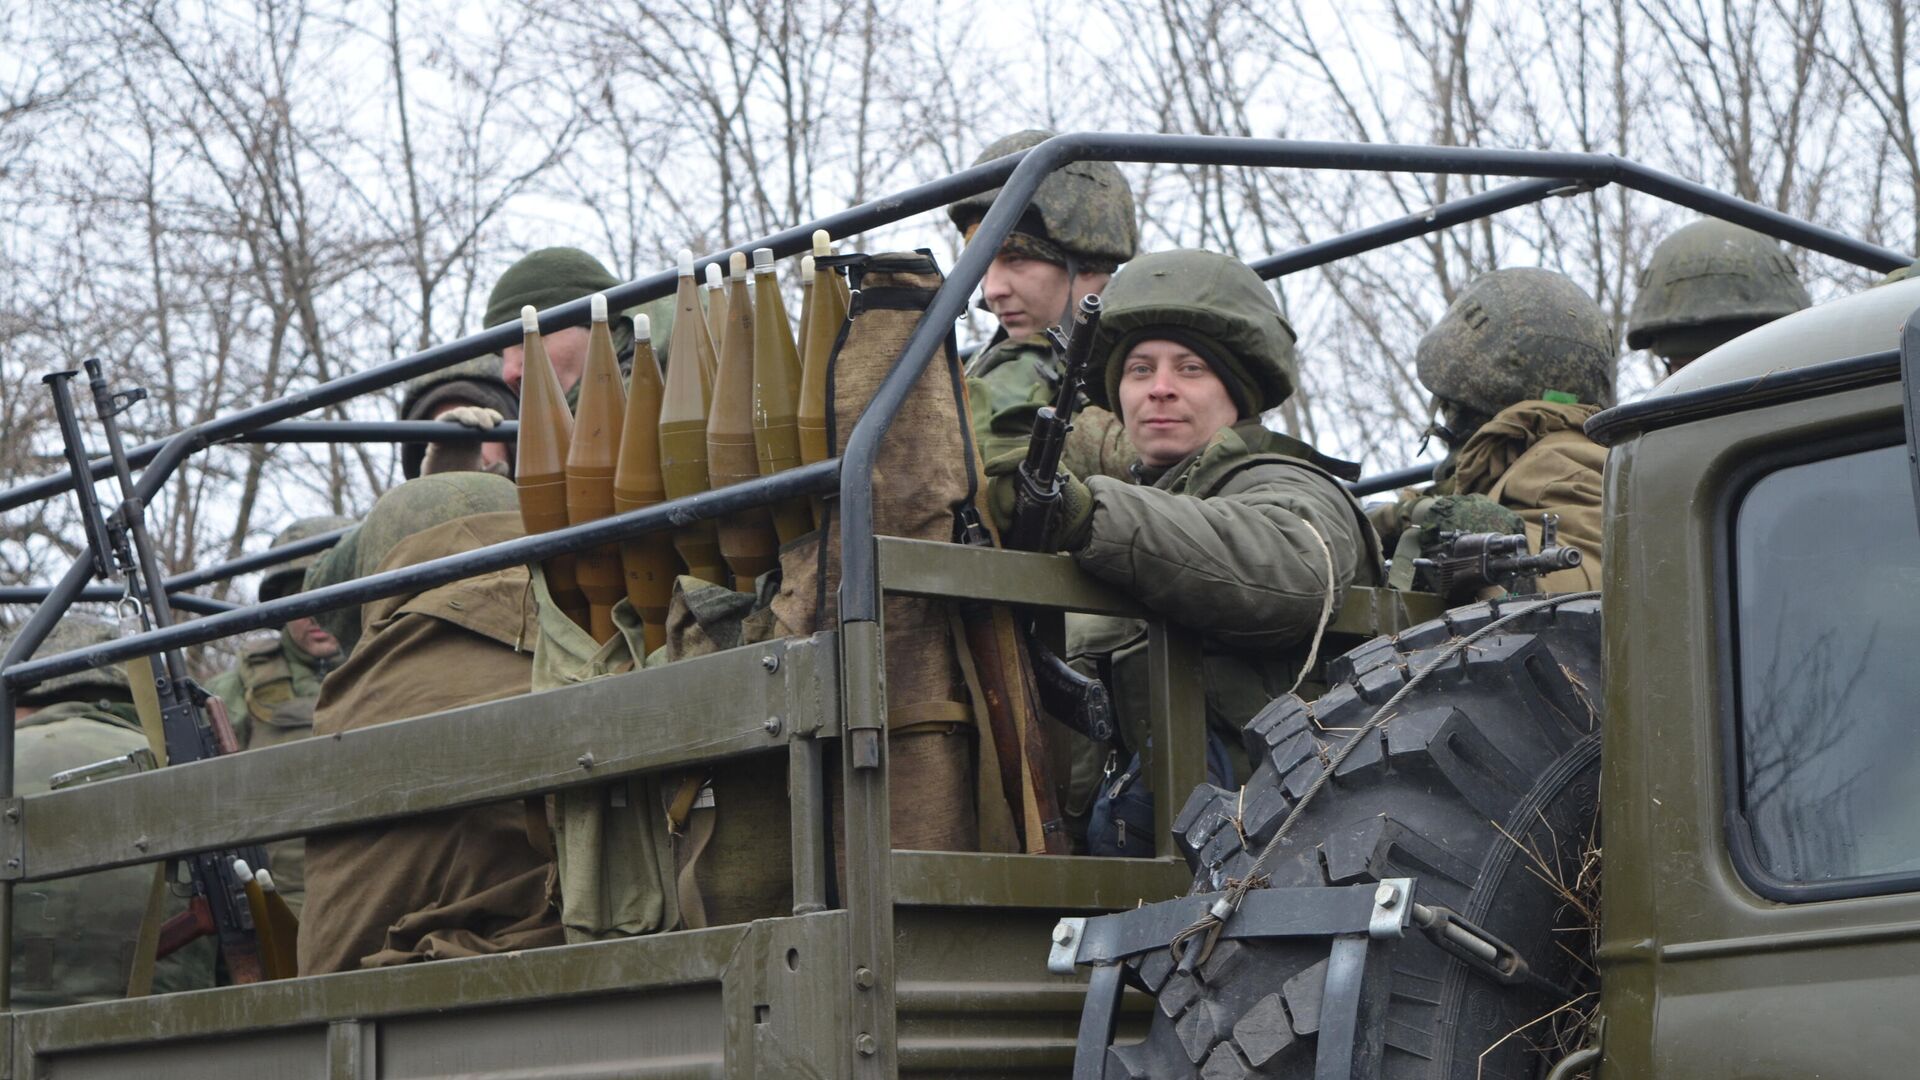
107,683
285,578
1211,301
1084,207
1513,335
419,505
1713,272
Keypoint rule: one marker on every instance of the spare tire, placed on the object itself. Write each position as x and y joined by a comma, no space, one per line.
1483,786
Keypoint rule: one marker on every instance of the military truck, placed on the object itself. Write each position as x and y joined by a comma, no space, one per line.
1757,916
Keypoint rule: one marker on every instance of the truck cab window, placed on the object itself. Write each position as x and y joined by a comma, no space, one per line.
1827,614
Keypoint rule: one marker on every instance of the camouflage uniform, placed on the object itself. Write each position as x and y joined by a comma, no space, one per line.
74,938
1229,542
1707,284
475,382
1516,366
1082,219
270,691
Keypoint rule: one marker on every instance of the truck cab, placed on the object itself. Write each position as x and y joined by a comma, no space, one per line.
1761,771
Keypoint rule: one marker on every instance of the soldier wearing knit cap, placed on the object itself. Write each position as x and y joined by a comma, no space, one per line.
553,276
1239,536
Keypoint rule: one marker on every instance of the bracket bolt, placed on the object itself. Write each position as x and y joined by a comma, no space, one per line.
13,864
586,760
1062,933
1387,896
13,813
140,843
866,1044
771,725
863,978
770,662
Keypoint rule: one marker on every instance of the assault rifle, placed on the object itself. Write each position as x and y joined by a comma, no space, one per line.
1468,563
193,724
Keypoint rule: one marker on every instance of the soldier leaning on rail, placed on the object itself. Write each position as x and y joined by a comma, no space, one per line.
456,882
1076,232
74,937
1517,364
1707,284
1224,525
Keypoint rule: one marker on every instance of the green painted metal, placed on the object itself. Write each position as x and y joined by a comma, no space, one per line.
1701,976
699,710
1054,882
924,568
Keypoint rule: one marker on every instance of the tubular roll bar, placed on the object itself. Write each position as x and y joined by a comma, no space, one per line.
863,719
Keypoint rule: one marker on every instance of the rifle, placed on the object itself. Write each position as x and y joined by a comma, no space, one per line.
1036,498
193,725
1468,563
1077,701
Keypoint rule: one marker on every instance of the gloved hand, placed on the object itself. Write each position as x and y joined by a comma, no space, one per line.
1424,519
1072,519
1461,514
463,457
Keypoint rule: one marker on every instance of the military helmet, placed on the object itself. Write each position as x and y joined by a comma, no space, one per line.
105,683
1214,304
471,382
1712,281
419,505
285,578
1085,208
1513,335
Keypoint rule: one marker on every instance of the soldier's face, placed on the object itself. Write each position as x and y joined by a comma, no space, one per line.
566,349
1171,402
1029,295
314,641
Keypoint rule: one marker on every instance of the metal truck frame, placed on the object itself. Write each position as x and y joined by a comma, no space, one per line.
931,962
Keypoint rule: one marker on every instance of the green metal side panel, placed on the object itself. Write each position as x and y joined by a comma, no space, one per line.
697,710
1701,977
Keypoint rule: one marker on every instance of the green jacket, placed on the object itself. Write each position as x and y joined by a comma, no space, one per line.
270,691
73,938
270,694
1006,386
1224,545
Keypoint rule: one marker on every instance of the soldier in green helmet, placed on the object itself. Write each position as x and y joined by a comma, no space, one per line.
471,393
557,275
1707,284
1077,231
74,938
270,691
1516,365
1241,535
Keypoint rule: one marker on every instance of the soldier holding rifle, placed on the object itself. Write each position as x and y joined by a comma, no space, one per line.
1225,525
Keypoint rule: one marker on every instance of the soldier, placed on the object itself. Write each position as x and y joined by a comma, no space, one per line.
270,690
557,275
1516,366
1707,284
457,882
1077,231
472,393
1244,536
74,938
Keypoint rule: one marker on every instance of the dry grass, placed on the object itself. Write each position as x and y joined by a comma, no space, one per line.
1570,867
